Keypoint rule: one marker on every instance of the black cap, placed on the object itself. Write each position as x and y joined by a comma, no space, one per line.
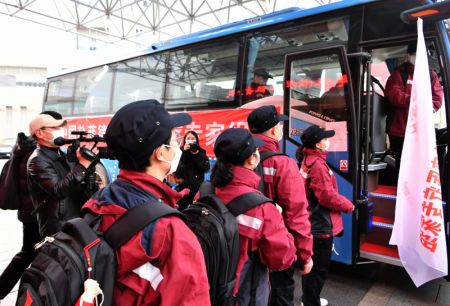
262,72
412,48
138,128
235,145
314,134
264,118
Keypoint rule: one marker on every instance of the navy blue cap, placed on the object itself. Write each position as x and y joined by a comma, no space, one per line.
314,134
263,72
263,118
235,145
138,128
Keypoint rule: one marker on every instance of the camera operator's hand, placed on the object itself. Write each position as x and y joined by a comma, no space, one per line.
84,161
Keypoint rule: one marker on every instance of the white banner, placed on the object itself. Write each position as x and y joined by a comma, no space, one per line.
419,226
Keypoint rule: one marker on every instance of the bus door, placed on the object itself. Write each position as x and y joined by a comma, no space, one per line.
318,90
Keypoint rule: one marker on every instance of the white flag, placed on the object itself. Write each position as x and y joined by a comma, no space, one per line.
419,226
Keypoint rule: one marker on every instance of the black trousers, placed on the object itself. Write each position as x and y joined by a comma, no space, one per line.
396,145
21,261
313,282
282,286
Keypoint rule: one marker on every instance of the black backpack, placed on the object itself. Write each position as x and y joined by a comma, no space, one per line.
13,171
215,226
259,169
65,260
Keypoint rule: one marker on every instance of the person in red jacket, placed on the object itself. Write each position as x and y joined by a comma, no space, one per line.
325,204
398,93
265,242
163,264
284,184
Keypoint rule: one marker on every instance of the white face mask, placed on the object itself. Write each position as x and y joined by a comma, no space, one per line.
57,134
258,158
176,159
281,134
190,141
326,145
412,59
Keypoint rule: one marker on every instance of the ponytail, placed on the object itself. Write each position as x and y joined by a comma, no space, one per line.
299,155
221,174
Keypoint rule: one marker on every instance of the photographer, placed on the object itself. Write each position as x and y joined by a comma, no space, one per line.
194,164
57,186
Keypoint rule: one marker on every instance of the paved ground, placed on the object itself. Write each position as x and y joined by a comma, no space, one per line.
10,244
364,285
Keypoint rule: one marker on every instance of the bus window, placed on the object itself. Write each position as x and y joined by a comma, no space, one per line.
268,51
60,95
93,92
317,95
139,79
202,74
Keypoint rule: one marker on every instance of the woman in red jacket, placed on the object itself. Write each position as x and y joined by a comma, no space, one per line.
265,242
326,206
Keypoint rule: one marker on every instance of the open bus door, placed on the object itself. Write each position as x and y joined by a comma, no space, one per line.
378,191
318,90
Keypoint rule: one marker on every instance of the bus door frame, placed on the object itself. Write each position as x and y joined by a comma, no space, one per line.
353,144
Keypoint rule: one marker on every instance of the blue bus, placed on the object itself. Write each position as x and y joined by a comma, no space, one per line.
348,48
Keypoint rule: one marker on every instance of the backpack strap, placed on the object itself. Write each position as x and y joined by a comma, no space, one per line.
240,205
376,81
246,201
403,69
266,154
206,188
259,169
403,74
135,219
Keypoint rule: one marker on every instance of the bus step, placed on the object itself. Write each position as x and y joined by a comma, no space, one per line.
380,234
380,253
382,222
386,190
383,207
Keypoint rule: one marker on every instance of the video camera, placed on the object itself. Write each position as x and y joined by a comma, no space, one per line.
90,180
85,152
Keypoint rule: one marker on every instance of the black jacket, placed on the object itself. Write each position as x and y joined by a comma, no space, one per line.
192,169
55,187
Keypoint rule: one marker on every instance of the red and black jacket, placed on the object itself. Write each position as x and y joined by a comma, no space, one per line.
325,202
161,265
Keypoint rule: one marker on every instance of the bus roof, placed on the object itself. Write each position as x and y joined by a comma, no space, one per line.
253,23
249,24
232,28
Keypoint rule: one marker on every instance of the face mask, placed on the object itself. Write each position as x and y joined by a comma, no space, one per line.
175,161
412,59
258,158
326,145
281,134
56,134
190,141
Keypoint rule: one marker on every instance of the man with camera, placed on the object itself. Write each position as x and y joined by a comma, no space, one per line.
57,186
